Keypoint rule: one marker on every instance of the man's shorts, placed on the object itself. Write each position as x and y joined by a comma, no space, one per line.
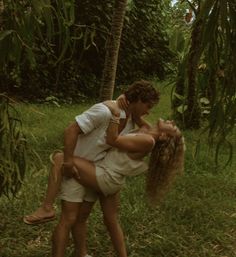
72,191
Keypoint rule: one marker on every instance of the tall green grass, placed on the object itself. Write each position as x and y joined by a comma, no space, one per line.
197,218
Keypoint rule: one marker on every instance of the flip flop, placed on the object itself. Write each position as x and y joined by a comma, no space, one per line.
37,220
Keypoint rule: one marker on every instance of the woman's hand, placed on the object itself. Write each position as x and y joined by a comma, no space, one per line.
123,103
113,107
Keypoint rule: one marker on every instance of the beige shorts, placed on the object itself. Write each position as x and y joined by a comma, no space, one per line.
109,183
72,191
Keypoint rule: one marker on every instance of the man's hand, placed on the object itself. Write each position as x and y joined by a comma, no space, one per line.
67,169
76,175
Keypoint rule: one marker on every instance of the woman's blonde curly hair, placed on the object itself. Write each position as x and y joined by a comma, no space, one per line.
166,161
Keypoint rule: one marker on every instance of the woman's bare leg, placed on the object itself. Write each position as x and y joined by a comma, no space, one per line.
46,210
110,208
86,173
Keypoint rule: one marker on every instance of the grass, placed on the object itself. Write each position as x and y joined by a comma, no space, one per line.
197,218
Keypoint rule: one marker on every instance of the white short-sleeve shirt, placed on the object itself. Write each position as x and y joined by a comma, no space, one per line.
94,123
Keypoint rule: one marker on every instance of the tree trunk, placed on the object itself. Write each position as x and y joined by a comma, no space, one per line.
178,100
192,115
112,51
1,11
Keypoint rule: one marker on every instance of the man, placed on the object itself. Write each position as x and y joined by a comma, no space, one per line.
86,138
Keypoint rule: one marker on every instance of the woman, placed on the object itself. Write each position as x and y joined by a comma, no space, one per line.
165,143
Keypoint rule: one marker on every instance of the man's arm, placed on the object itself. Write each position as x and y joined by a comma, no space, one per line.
71,134
84,124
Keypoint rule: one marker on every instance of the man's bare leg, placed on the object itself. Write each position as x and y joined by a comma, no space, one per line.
110,208
61,233
109,204
46,211
79,230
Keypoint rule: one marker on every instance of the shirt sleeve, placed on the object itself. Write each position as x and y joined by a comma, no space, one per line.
94,117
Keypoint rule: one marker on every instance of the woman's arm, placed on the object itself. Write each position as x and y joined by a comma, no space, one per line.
131,143
112,130
139,143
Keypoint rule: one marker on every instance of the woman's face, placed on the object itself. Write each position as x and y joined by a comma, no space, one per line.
168,128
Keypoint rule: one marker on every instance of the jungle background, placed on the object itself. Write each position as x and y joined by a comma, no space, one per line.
59,57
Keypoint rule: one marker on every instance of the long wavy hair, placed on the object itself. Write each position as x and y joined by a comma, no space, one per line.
166,161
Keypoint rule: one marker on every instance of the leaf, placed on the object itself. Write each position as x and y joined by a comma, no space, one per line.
86,45
31,58
182,108
204,100
177,41
65,46
178,96
219,148
72,14
5,33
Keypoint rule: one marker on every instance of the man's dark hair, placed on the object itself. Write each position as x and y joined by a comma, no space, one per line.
142,90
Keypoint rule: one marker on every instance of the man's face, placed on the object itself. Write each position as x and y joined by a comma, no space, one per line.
139,108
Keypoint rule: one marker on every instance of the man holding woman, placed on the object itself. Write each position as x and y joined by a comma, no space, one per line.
86,138
91,144
106,176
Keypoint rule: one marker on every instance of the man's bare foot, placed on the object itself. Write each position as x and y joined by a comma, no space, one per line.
41,215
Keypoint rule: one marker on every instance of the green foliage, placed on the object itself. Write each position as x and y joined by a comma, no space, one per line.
144,46
13,161
219,58
38,42
215,72
58,47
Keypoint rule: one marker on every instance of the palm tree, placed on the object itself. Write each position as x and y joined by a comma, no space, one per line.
112,50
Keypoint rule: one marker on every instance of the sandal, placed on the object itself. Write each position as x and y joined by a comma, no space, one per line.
34,219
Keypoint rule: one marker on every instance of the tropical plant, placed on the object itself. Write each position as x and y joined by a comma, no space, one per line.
13,164
57,47
144,48
210,69
38,39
